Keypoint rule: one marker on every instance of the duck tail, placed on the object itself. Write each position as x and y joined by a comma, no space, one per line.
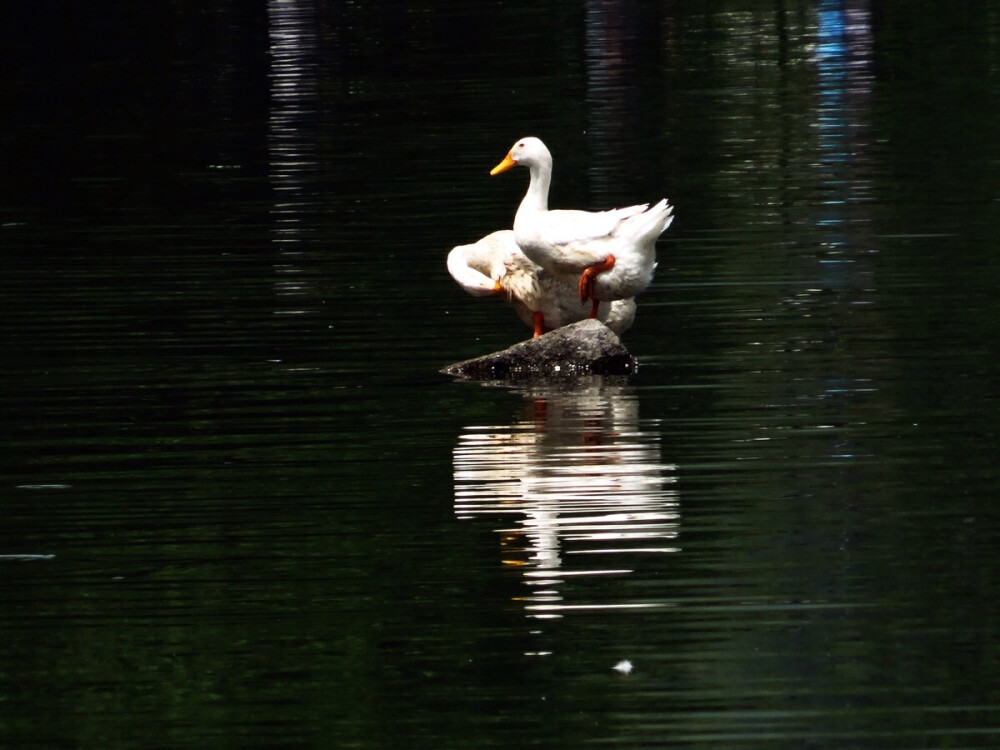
657,218
643,228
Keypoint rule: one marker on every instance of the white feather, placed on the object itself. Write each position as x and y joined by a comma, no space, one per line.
624,666
495,264
566,242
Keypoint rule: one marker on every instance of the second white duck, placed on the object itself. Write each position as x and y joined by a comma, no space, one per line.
543,300
613,252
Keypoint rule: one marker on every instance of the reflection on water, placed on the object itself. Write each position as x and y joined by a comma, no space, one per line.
293,127
612,95
843,64
580,480
198,544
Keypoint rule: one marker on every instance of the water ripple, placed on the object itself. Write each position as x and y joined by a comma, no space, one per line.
581,476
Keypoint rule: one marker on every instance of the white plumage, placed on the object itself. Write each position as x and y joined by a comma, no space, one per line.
543,300
612,253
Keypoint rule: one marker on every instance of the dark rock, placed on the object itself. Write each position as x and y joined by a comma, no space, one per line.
585,348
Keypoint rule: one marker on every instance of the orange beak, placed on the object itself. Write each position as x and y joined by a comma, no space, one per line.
507,163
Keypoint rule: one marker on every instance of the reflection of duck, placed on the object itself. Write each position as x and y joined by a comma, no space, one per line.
542,300
613,252
584,487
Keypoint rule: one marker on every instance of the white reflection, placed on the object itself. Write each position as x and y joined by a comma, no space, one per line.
293,132
582,487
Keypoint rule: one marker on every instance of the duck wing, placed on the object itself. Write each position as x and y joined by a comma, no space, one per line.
567,241
563,227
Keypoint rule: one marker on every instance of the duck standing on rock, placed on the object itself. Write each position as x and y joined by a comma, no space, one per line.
543,300
612,252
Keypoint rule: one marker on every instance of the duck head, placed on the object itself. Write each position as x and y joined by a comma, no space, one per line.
527,152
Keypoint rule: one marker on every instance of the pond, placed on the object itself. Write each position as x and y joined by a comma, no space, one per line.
242,507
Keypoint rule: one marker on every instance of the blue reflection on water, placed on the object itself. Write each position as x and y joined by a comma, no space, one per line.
843,62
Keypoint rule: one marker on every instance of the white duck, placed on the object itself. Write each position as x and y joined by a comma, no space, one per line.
613,252
544,301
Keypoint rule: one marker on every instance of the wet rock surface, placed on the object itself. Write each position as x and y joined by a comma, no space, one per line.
585,348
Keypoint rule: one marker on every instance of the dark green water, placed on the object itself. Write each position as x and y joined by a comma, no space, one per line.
239,507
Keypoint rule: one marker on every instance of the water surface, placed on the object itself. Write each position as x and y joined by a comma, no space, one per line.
241,507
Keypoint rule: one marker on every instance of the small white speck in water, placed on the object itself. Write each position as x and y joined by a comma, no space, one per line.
624,666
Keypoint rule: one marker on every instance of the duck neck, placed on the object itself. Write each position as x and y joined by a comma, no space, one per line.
537,197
